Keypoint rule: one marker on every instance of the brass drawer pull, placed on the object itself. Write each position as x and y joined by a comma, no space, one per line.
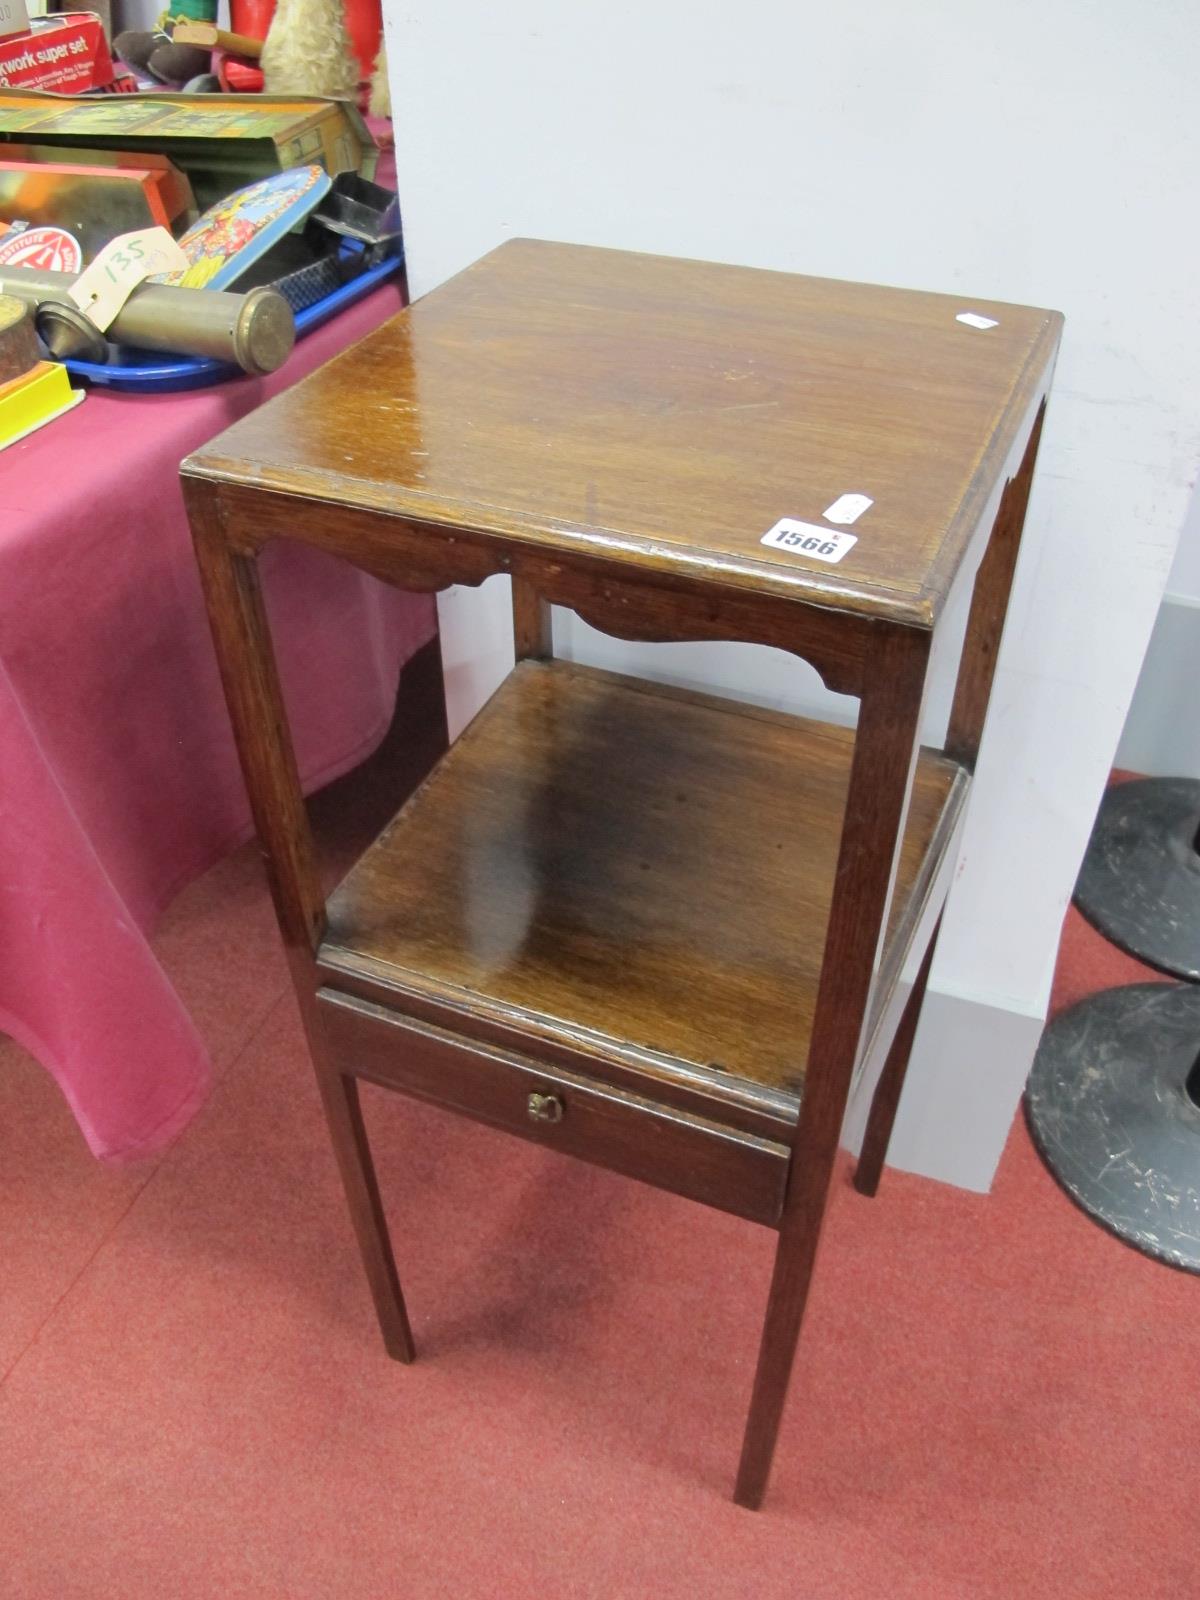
545,1107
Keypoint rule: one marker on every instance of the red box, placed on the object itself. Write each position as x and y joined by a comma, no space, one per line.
67,53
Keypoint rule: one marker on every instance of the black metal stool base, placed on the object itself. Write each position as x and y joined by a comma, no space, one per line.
1110,1105
1140,879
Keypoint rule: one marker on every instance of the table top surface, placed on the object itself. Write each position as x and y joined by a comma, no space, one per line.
667,414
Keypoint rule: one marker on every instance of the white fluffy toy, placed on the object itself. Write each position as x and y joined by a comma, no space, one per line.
307,51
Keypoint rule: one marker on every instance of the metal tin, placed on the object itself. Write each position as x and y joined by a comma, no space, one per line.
18,341
255,331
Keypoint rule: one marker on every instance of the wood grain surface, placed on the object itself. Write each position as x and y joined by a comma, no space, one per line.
666,414
694,1156
628,869
651,928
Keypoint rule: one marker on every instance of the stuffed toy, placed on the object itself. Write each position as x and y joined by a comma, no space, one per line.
380,103
152,53
307,51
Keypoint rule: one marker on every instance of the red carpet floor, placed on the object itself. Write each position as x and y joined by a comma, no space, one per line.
995,1399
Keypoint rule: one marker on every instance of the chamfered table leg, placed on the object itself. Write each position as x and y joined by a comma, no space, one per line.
352,1149
989,608
886,1099
533,627
885,754
246,657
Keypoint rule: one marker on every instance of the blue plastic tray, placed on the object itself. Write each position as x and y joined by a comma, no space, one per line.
145,371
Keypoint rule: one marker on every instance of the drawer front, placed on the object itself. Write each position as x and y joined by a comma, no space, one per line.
722,1167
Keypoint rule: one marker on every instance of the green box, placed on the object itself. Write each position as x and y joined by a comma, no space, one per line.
221,141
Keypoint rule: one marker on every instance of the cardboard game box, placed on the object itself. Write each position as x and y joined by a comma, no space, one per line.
221,141
92,202
177,197
67,52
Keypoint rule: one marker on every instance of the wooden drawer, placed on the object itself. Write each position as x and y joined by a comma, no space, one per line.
720,1166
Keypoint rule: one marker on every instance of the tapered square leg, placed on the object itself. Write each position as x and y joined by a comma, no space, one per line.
880,784
348,1134
886,1100
794,1259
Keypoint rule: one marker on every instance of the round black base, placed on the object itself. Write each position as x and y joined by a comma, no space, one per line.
1140,879
1109,1109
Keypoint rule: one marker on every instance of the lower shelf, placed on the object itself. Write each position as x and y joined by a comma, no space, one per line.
602,870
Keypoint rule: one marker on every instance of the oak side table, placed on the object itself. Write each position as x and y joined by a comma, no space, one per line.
654,929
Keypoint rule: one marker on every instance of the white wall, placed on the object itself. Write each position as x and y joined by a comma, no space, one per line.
1162,729
1184,580
1042,151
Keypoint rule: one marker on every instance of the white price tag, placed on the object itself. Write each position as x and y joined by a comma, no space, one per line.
103,288
974,320
809,539
848,508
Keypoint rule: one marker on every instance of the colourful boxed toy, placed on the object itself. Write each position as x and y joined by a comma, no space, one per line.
94,203
67,52
222,141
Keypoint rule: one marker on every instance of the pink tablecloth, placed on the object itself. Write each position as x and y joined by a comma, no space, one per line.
118,778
